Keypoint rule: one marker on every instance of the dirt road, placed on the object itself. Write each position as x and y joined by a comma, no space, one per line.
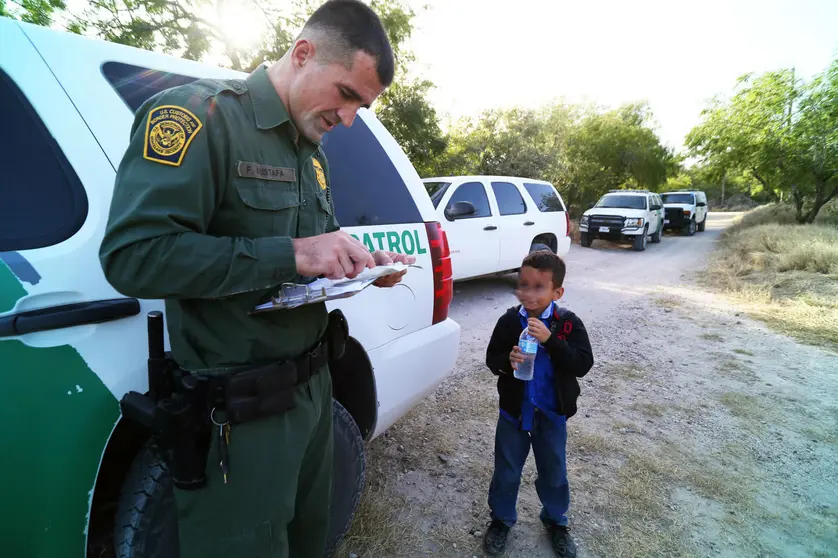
700,432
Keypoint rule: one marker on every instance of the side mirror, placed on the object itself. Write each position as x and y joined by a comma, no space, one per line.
591,205
701,204
459,210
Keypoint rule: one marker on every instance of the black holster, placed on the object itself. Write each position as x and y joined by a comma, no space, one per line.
337,334
174,412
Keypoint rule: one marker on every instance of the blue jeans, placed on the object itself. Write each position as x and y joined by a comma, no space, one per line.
512,446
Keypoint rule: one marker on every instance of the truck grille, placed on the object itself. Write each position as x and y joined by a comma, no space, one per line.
611,221
674,214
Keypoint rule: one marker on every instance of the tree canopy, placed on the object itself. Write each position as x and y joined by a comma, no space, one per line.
781,131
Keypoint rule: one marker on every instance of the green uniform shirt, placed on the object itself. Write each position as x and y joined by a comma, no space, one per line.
208,196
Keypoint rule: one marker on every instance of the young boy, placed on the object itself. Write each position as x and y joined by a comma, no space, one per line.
534,412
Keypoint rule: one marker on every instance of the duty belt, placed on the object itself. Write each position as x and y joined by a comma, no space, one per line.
256,391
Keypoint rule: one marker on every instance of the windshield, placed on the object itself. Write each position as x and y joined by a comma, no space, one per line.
436,190
622,201
678,198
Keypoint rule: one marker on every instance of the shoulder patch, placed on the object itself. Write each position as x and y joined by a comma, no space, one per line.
318,171
169,131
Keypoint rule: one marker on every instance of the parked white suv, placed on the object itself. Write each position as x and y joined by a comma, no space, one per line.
624,215
685,210
493,222
79,480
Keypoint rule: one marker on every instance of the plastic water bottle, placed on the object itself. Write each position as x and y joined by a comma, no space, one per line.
529,348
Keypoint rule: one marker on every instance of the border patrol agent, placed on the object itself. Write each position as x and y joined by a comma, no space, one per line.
222,195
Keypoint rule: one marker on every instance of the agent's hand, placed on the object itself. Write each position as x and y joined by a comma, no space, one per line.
516,357
386,258
334,255
538,330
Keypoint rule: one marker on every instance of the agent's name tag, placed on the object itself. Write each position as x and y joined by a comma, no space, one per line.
264,172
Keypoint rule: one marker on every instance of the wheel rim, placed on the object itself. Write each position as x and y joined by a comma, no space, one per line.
692,226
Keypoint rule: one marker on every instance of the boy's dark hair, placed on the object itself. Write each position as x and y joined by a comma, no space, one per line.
349,26
544,260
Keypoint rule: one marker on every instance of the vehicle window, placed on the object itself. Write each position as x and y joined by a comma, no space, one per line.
678,198
366,187
509,198
621,201
135,84
544,197
436,191
42,200
656,202
475,193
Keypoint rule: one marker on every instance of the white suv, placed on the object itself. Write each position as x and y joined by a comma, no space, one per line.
624,215
493,222
685,210
80,480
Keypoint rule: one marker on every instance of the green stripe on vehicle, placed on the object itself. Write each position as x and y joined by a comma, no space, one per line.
58,416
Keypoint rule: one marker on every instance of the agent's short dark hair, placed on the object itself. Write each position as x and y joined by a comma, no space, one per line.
347,26
544,260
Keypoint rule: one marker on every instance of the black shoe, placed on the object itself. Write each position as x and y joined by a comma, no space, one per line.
563,544
494,541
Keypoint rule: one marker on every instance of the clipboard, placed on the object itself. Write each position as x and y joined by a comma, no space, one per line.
294,295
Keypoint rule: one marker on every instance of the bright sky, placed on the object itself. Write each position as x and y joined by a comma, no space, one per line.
675,53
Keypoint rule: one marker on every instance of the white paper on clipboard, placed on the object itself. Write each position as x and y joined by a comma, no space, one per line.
293,295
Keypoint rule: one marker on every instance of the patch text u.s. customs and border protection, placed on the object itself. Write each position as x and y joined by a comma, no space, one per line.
318,171
169,131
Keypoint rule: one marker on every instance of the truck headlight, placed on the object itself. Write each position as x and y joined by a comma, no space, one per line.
634,223
584,221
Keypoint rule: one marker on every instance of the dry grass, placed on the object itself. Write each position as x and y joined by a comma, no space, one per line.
669,302
715,337
650,409
381,525
742,405
783,274
640,503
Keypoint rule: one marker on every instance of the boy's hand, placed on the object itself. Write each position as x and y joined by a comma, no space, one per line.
538,330
515,357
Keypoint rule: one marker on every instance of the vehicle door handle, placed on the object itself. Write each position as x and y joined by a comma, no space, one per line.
68,315
528,223
490,228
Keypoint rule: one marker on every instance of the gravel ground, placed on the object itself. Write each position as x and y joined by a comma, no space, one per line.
699,433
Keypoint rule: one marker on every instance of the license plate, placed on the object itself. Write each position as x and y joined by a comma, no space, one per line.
604,229
666,221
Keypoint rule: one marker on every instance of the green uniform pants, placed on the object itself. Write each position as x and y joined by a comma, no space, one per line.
276,500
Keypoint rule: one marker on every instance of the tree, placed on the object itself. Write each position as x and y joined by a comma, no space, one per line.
39,12
782,132
615,149
583,151
413,122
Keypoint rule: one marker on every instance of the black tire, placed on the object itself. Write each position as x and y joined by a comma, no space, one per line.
585,240
146,517
658,234
639,243
348,477
702,224
538,246
689,228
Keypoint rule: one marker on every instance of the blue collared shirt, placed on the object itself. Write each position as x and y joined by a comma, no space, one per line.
540,392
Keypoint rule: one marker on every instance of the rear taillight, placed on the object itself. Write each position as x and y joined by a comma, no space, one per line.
443,275
567,219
